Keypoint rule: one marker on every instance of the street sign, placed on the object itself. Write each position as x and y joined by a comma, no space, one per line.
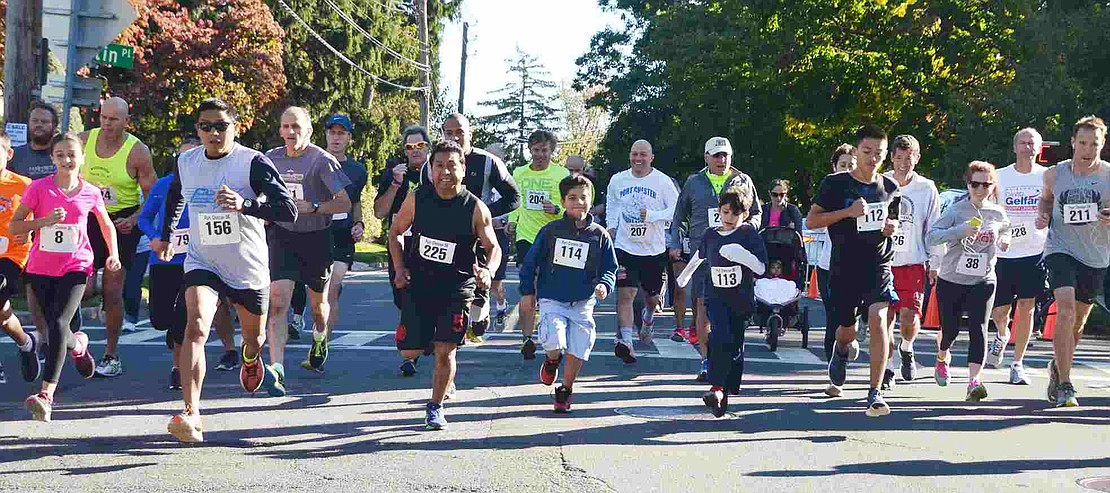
86,90
17,132
119,56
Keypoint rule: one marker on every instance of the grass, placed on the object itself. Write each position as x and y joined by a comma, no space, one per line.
370,253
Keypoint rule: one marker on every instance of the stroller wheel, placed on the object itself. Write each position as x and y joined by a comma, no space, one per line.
774,326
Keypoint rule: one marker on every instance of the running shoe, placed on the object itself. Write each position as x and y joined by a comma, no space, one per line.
408,367
624,351
940,373
109,365
318,355
716,400
1065,395
888,381
451,391
528,349
473,338
29,364
909,366
679,335
853,351
251,373
703,372
995,352
876,406
274,381
692,336
434,419
1018,375
549,370
129,327
1053,380
83,359
175,379
562,399
40,405
838,368
501,314
229,361
647,328
186,428
976,391
834,390
295,327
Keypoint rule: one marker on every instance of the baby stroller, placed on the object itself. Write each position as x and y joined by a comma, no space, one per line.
777,305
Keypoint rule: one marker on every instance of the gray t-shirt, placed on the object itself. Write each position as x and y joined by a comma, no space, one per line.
969,260
31,163
1075,229
314,176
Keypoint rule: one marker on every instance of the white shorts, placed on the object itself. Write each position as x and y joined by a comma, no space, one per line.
568,326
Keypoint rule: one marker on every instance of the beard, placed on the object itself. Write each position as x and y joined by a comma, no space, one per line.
41,140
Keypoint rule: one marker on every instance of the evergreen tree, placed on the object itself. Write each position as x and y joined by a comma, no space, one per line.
522,106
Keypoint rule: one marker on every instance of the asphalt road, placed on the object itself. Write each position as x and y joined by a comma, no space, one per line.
635,428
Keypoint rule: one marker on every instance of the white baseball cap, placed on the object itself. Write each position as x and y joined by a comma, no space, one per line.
718,144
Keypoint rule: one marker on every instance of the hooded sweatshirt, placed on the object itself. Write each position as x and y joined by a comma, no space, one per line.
920,209
698,203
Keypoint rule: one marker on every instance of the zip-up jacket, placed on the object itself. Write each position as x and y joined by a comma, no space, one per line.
698,197
567,262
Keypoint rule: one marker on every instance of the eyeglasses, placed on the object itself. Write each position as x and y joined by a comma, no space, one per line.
778,194
983,184
213,126
419,146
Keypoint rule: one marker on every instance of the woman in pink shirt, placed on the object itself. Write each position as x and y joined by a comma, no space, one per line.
62,259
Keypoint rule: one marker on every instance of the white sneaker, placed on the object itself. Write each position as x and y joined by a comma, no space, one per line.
129,327
1018,375
853,351
995,352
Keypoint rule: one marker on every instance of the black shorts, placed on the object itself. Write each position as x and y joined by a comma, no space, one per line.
428,320
642,272
10,277
522,247
1065,271
1019,279
300,257
853,291
343,245
127,243
256,301
503,242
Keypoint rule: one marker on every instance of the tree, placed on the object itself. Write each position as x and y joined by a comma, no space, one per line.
522,105
583,125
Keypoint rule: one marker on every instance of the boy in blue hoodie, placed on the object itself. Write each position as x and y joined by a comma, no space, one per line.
736,254
571,266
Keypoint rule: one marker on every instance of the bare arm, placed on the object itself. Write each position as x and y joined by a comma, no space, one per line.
818,217
383,201
396,230
340,202
483,225
108,231
1047,200
20,225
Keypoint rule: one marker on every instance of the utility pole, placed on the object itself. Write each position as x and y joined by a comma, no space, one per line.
426,74
462,70
22,46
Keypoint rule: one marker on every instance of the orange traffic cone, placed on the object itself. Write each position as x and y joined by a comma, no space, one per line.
814,289
1049,323
932,313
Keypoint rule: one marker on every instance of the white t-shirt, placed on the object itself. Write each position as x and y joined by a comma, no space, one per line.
626,195
1019,195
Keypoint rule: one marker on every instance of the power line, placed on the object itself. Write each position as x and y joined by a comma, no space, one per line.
372,39
344,57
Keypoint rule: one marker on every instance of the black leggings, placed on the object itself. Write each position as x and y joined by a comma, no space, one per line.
830,328
954,300
59,298
167,300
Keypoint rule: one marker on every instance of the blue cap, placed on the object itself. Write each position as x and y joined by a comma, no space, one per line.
340,120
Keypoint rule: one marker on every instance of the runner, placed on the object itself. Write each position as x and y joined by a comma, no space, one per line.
448,222
14,250
843,159
575,164
679,295
640,202
539,185
221,184
571,267
61,259
33,158
972,229
736,255
920,209
697,211
500,298
856,208
1075,207
346,227
302,250
123,173
1021,272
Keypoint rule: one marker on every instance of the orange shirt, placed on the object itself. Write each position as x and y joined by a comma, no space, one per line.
11,192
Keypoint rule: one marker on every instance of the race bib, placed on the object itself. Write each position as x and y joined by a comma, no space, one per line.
109,195
570,253
714,217
59,238
4,244
1019,234
219,228
1080,213
873,217
297,190
972,264
637,231
180,241
685,245
339,216
434,250
726,277
902,239
536,198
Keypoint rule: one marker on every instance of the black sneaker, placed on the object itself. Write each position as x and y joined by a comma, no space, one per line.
29,361
562,399
501,314
909,366
623,350
408,368
888,381
318,355
717,401
175,379
528,349
229,361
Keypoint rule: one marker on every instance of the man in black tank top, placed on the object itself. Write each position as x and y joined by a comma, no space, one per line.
448,222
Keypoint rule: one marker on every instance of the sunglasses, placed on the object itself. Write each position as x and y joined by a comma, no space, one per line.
978,184
419,146
778,194
213,126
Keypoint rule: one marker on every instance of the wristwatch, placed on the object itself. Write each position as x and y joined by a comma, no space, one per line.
315,207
